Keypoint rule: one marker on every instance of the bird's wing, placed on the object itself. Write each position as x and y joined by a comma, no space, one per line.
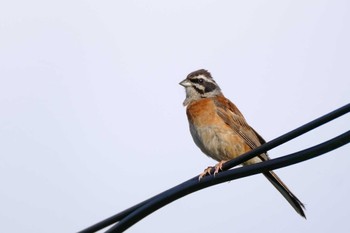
234,118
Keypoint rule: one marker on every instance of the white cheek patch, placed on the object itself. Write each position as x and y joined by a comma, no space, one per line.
199,86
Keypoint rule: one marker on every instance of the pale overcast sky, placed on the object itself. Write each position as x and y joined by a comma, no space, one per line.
92,122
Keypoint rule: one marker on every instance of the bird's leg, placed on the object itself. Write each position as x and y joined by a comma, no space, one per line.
218,167
206,171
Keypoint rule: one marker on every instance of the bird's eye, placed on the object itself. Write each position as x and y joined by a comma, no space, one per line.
200,80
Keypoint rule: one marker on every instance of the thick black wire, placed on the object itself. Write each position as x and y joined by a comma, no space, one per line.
228,175
272,144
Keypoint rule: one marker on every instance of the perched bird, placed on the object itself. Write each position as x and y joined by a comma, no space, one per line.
219,129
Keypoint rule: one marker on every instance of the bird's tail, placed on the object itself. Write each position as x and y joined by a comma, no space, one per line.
288,195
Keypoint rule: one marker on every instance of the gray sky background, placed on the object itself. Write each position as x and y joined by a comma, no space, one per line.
92,120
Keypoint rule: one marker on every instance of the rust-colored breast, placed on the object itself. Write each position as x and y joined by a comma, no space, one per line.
202,112
219,129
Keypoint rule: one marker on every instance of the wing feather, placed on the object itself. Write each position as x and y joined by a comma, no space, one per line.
234,118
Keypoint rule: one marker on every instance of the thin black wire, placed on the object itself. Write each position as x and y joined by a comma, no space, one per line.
228,175
194,181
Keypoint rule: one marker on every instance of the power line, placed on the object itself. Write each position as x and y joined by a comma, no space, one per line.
132,215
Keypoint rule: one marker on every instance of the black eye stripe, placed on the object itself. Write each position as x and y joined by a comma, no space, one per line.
208,86
197,80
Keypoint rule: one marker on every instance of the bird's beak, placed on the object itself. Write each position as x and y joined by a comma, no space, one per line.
185,83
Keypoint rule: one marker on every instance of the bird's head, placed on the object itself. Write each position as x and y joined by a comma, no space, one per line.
199,84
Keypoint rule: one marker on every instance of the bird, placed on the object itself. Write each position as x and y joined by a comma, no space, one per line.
221,132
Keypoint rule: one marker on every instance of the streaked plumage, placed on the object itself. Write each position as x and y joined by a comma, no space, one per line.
219,129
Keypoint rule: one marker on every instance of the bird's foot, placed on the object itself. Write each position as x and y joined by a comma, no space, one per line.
218,167
207,171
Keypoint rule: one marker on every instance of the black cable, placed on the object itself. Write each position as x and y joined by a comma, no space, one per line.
272,144
189,187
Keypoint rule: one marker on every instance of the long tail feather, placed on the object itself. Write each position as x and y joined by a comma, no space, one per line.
287,194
